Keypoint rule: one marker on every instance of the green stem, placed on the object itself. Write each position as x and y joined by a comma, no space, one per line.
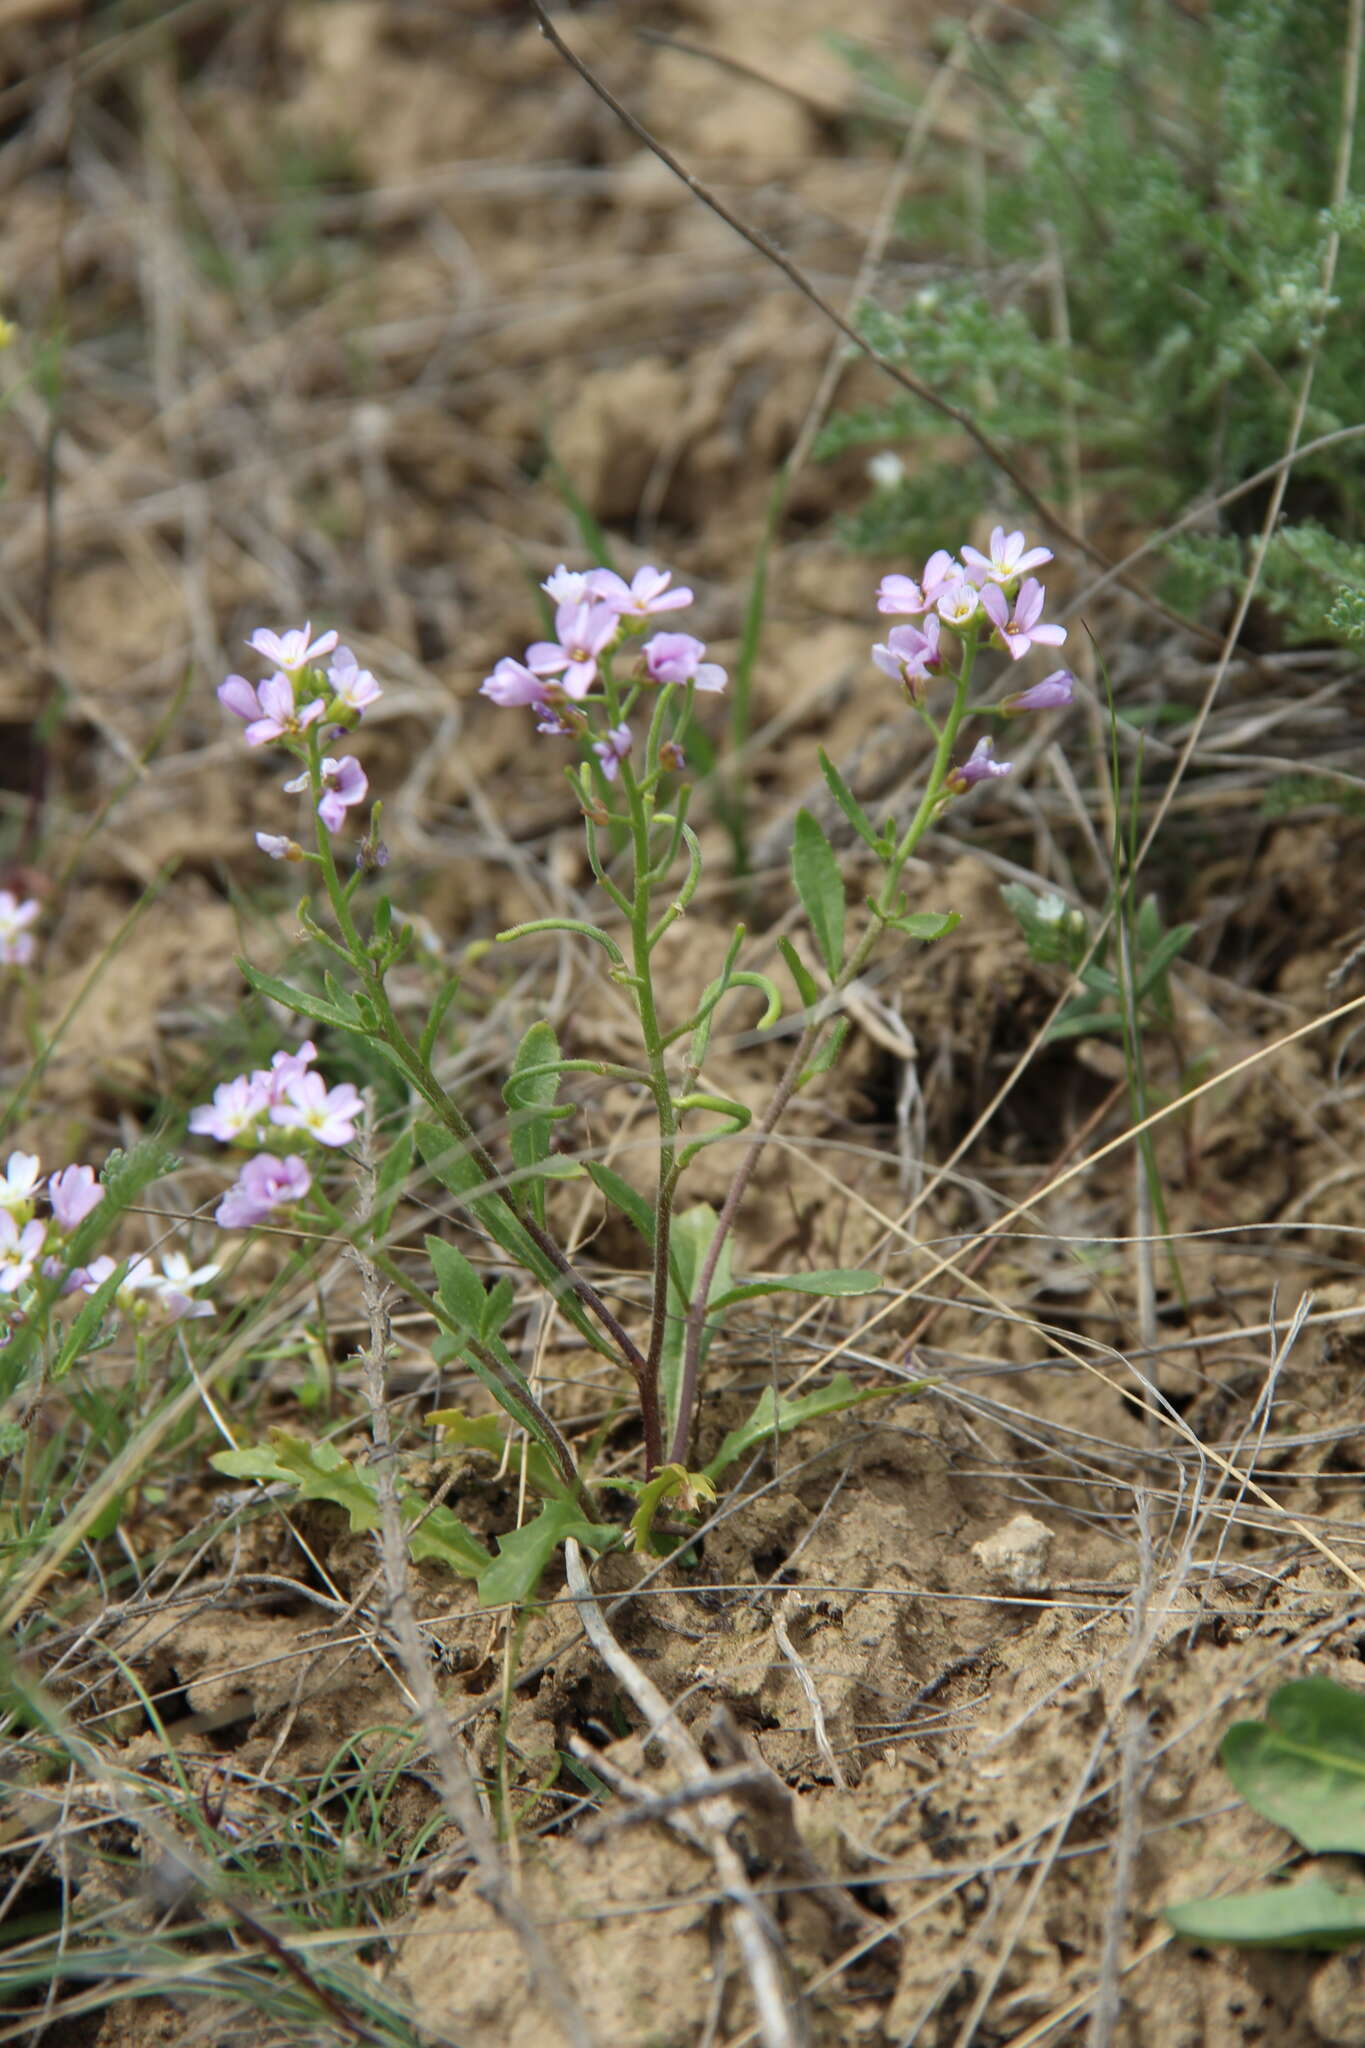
883,910
436,1098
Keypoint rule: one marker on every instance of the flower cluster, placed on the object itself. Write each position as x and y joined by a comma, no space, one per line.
301,694
34,1246
16,940
596,612
275,1106
959,602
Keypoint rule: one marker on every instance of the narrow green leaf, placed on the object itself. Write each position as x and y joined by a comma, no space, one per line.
1303,1767
300,1001
849,805
529,1093
826,1052
393,1173
927,925
453,1167
1158,961
771,1419
632,1204
689,1243
837,1281
459,1289
806,985
83,1332
820,885
1312,1915
523,1554
498,1306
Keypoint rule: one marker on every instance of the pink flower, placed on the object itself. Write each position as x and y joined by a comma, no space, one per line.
20,1251
512,684
279,713
1008,559
566,586
909,654
328,1115
677,658
237,1107
611,750
957,602
20,1183
239,697
940,568
1049,695
73,1193
265,1183
344,783
354,686
284,1068
16,944
900,594
89,1279
279,847
585,632
1016,635
980,766
292,650
647,592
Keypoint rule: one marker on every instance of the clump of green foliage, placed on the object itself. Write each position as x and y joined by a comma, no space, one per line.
1175,171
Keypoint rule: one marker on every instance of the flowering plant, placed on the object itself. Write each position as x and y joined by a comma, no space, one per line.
623,695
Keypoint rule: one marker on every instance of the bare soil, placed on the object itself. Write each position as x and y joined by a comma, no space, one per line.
336,282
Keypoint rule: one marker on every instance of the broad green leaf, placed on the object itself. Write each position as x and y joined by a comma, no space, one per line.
523,1554
837,1281
439,1536
771,1419
820,885
849,805
530,1096
484,1433
316,1471
1304,1766
468,1432
1312,1915
320,1472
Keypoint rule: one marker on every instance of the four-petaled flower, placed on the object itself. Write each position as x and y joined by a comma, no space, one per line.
646,593
1050,695
1018,634
20,1250
612,749
1008,559
354,686
327,1115
265,1183
20,1182
237,1107
16,942
677,658
909,655
979,766
900,595
512,684
73,1193
585,632
278,713
344,783
291,650
957,602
